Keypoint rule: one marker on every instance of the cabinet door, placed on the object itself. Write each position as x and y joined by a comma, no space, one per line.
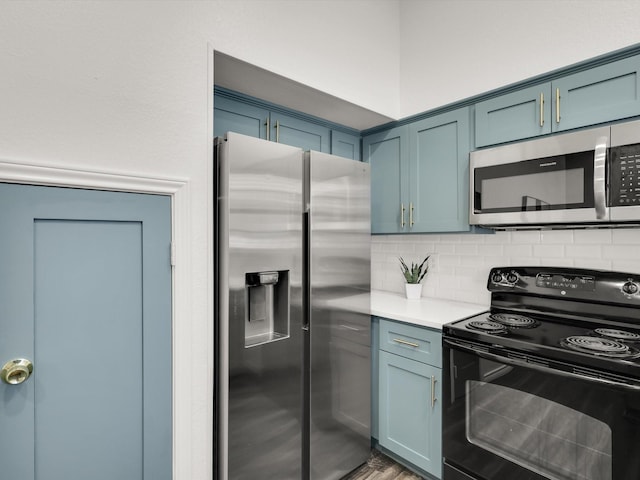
232,116
410,413
299,133
345,145
388,154
522,114
439,173
601,94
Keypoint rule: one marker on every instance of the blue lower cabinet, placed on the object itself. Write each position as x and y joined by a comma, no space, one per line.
410,412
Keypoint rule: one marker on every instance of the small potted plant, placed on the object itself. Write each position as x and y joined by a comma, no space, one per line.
413,276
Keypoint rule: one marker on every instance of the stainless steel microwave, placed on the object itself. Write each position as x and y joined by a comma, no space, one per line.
583,178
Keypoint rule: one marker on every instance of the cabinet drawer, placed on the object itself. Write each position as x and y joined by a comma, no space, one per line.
416,343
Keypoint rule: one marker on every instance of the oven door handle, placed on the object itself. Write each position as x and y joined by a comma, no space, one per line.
541,368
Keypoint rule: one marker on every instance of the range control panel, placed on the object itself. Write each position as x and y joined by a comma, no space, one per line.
624,176
566,282
570,283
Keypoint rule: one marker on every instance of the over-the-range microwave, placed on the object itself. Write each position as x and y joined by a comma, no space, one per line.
579,179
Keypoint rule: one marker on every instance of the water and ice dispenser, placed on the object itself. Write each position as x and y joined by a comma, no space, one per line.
267,307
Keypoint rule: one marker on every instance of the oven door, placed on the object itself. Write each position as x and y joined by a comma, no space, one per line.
517,418
560,179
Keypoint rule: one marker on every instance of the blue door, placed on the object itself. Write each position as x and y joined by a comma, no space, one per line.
85,297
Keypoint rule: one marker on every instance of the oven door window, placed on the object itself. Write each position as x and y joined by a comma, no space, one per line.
539,434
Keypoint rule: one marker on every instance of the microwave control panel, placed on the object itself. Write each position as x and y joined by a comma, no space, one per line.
624,176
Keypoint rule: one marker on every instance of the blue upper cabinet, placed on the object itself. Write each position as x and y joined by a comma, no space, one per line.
345,145
419,175
299,133
439,173
601,94
522,114
388,154
234,112
233,116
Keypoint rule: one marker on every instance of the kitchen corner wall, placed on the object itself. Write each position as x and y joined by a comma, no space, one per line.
460,263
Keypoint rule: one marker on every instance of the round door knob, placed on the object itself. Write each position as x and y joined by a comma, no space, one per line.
16,371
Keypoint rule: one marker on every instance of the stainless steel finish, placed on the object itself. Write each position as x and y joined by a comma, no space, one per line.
557,105
260,201
16,371
599,178
402,223
404,342
292,325
433,391
542,109
625,134
545,147
339,333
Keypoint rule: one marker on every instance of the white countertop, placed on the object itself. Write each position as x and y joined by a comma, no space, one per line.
426,312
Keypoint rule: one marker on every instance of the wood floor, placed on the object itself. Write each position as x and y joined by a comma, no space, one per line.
381,467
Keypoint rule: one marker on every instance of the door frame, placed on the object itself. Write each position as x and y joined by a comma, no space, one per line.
182,314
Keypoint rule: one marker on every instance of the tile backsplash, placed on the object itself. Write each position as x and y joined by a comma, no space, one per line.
460,263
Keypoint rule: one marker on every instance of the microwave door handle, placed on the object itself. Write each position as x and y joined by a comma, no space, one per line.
599,186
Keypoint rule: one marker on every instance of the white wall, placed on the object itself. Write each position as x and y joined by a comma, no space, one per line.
454,49
460,264
124,87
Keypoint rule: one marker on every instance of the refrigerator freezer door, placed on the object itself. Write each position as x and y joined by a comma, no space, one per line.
339,326
258,324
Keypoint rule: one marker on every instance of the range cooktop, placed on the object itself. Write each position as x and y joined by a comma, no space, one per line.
566,315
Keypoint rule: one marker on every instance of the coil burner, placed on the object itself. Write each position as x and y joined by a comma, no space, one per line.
486,326
600,346
513,320
619,335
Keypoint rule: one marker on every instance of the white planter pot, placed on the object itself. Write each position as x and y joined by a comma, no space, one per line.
413,290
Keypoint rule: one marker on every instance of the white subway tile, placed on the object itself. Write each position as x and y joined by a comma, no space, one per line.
630,236
490,250
518,251
526,236
448,260
557,262
549,251
556,236
466,249
621,252
450,238
497,237
584,251
601,236
446,248
593,263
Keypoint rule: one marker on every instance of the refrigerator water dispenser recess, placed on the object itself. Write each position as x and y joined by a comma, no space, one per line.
267,307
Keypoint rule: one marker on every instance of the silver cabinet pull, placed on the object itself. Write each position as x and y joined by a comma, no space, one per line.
433,391
402,215
404,342
557,105
268,125
542,109
16,371
277,131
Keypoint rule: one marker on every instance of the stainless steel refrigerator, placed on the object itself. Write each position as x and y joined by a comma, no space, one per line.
292,325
